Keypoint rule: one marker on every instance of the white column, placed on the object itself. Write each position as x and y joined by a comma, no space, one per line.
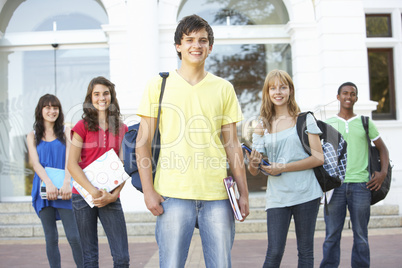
143,49
117,34
302,29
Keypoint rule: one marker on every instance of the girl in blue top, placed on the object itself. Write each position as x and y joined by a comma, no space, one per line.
292,188
47,147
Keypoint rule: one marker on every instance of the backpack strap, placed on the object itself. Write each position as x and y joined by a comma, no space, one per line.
365,121
301,125
164,76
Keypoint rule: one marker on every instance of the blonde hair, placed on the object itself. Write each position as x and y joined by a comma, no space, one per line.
267,112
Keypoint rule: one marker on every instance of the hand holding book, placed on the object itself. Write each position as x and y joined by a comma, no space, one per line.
56,175
264,162
233,194
105,173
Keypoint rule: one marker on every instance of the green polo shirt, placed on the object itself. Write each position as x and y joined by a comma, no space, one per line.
353,132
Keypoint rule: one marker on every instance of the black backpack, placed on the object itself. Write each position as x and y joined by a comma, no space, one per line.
130,140
332,174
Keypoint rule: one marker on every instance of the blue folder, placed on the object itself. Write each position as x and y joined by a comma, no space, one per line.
56,175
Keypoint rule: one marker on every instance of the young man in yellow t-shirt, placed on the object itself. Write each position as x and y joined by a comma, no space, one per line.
198,108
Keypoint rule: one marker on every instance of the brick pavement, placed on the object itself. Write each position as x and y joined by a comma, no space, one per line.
248,251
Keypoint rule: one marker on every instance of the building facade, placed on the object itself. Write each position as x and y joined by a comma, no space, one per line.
57,46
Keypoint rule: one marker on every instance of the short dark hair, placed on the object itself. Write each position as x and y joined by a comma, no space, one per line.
346,84
190,24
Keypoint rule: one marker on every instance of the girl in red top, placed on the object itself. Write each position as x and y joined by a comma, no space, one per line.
100,130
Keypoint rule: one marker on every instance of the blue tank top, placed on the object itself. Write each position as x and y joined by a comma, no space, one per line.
51,154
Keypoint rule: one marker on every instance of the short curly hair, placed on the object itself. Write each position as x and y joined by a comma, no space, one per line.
347,84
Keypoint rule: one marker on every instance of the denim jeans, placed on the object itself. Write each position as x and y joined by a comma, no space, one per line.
278,221
174,230
48,218
114,224
357,198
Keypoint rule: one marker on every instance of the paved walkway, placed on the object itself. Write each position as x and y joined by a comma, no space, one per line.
248,251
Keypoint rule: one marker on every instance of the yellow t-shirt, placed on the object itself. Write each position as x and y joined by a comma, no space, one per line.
192,161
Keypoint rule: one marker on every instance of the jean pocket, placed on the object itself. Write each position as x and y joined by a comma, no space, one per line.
363,186
116,205
165,198
79,202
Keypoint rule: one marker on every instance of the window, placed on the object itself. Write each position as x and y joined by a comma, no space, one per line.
41,14
246,66
382,82
382,44
378,25
236,12
49,46
258,43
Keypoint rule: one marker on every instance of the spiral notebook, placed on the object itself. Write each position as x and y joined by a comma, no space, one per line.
106,172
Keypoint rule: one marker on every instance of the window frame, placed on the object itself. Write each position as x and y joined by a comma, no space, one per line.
394,43
40,41
391,81
389,15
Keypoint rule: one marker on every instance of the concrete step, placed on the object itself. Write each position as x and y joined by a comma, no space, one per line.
260,226
16,207
148,228
138,217
20,220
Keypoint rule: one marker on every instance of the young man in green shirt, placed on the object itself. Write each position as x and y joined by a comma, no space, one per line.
355,192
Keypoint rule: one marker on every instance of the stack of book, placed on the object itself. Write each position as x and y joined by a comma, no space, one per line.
233,193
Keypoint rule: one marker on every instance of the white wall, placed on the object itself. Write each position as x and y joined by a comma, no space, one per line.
328,43
328,48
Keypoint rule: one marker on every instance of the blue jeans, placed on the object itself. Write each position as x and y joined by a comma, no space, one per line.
174,230
278,221
48,218
357,198
114,224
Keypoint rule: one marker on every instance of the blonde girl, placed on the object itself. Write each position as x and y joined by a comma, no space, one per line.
292,188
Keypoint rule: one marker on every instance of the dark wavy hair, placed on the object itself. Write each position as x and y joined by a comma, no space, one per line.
39,126
190,24
90,114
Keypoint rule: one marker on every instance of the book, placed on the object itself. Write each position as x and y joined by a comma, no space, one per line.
56,175
264,160
233,194
106,173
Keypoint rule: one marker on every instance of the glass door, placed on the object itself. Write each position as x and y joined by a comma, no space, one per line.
25,76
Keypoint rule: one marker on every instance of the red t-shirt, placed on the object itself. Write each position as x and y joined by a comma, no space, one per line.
96,143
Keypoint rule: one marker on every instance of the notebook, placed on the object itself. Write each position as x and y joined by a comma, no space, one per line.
233,193
106,172
56,175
